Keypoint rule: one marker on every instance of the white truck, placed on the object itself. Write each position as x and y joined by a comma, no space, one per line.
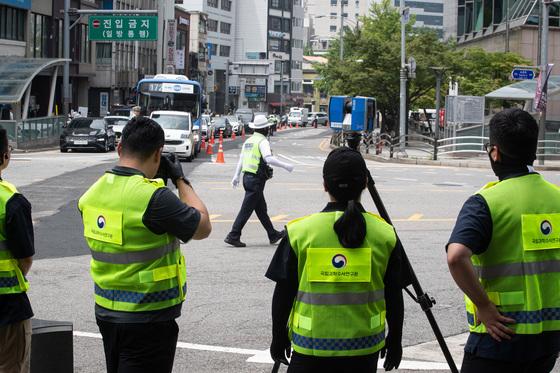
298,116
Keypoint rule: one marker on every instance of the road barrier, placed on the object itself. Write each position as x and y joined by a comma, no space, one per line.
35,132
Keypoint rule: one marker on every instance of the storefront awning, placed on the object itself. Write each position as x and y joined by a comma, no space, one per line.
525,89
16,73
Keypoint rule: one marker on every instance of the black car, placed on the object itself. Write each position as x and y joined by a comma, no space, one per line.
221,124
88,133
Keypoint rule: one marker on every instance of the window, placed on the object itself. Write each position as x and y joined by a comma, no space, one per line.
225,50
212,49
334,15
212,25
278,64
103,53
84,44
12,23
225,28
276,4
212,3
38,30
332,28
275,23
226,5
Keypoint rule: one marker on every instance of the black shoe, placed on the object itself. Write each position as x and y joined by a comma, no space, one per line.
236,243
277,237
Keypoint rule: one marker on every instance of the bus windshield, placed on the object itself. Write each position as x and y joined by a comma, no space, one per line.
170,96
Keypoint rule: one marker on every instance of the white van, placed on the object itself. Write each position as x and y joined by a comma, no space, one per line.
298,116
178,128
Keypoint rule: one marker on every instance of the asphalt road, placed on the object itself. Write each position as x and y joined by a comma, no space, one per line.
225,326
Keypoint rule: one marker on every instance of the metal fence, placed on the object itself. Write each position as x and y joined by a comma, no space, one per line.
39,132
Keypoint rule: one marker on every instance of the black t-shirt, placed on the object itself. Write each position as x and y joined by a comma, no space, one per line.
474,230
20,242
165,213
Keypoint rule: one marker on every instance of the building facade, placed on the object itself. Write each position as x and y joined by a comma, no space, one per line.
314,99
428,13
220,45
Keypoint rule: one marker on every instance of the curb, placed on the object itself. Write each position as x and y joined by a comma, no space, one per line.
464,163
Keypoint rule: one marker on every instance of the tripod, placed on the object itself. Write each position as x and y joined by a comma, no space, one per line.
419,296
422,298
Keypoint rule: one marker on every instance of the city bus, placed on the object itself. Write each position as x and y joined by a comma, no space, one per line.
170,92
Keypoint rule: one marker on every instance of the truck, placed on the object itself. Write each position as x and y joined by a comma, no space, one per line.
298,116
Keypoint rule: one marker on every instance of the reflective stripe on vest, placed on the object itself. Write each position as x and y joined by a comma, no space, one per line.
337,283
520,270
251,153
126,296
340,298
135,256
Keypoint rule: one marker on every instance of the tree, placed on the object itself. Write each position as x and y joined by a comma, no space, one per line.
371,65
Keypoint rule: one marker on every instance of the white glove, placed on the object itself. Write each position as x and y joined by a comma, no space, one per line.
235,182
289,167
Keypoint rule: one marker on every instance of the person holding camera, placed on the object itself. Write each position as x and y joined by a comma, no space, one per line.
255,161
133,224
504,254
338,281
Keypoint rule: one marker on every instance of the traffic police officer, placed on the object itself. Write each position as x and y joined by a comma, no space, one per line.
504,253
16,252
338,281
132,224
256,157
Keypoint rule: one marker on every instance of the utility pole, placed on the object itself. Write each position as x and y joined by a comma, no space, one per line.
402,116
439,76
342,30
226,108
544,71
281,88
507,26
66,71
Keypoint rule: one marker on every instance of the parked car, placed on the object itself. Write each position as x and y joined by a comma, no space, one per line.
298,116
118,123
122,111
319,118
236,124
221,124
246,115
88,133
179,136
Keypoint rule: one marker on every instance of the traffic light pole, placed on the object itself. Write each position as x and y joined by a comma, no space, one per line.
403,79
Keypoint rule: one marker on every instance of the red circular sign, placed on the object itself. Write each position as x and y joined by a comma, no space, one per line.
96,23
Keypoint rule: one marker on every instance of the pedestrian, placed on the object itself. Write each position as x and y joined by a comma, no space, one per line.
504,254
255,161
133,224
338,277
16,256
136,112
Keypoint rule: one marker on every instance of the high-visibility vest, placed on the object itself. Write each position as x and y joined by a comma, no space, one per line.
340,305
251,153
520,270
12,280
133,268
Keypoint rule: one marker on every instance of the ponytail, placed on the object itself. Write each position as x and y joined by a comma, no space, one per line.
351,226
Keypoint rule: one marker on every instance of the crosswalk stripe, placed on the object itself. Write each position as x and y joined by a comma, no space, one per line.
278,218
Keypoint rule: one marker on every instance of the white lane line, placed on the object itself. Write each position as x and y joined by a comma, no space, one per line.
263,356
294,160
404,179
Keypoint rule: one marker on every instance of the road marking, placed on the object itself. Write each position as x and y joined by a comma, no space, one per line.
415,217
405,220
214,216
325,145
294,160
404,179
279,218
263,356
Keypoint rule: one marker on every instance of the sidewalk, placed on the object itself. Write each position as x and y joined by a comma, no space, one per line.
418,157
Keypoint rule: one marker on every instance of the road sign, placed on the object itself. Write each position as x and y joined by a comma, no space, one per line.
522,74
123,28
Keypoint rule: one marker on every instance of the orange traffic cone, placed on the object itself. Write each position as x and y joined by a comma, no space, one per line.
209,149
220,157
221,137
211,137
243,133
203,144
233,135
297,125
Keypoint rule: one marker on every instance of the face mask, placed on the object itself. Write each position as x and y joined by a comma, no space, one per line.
503,170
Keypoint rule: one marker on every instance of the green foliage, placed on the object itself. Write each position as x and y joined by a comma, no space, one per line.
371,65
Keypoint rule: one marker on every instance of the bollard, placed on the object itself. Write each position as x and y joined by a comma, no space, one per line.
52,347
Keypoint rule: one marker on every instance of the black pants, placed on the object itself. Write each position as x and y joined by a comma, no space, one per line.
475,364
352,364
139,348
253,201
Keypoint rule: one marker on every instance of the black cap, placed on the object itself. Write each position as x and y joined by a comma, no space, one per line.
345,174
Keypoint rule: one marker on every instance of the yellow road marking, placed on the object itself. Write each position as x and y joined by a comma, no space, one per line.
325,145
278,218
214,216
415,217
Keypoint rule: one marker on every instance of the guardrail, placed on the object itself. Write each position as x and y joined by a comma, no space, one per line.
39,132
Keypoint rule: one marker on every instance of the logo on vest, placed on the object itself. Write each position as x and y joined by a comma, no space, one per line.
101,221
339,261
546,227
